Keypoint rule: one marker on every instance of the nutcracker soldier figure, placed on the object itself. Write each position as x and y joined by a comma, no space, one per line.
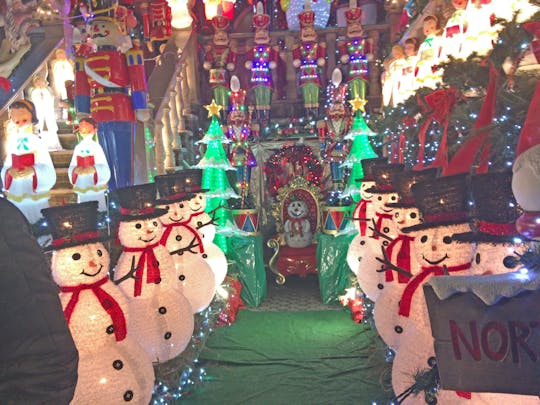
111,86
157,29
218,60
262,59
356,52
309,58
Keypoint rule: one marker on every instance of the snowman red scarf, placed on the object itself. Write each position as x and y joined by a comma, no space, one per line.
108,303
169,228
146,259
403,259
360,215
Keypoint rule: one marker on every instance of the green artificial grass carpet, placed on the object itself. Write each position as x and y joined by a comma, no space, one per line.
310,357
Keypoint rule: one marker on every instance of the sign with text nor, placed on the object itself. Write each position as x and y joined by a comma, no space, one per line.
487,348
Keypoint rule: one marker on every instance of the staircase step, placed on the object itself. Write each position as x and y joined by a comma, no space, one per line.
68,140
61,158
62,179
62,196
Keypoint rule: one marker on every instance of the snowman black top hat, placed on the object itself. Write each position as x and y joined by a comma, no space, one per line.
495,210
383,175
138,202
443,201
179,186
368,165
73,225
403,182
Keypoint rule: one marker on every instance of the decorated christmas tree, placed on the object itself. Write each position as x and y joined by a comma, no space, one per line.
214,164
360,149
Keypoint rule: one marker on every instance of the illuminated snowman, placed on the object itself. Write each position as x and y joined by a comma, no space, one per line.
195,277
444,206
297,229
28,173
203,223
400,253
113,367
370,275
363,213
145,272
89,171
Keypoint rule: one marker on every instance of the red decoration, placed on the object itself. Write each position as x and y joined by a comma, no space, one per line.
147,259
234,303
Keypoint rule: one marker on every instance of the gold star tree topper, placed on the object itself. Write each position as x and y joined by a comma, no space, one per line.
358,103
213,109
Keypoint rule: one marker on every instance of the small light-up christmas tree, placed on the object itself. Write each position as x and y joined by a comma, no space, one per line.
360,149
214,164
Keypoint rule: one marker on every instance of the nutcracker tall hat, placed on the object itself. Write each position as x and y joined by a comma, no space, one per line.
383,176
403,182
179,186
353,13
138,202
260,19
220,23
368,165
495,210
442,201
307,17
73,225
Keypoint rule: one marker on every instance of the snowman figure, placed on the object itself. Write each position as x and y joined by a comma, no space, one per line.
443,203
196,279
113,367
89,171
297,227
400,253
202,223
363,213
370,273
28,173
145,272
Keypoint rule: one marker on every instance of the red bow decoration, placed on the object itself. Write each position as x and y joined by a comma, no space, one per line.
403,258
360,213
146,259
108,303
419,278
438,106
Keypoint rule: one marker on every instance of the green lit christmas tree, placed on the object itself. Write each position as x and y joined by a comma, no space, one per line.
214,164
360,149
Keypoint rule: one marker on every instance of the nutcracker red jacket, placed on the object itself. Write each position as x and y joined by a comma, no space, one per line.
38,359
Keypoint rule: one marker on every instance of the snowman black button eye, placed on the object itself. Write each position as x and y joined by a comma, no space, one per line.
423,239
76,256
181,205
393,198
477,258
386,229
154,223
167,207
396,214
510,262
379,198
200,197
447,240
362,242
412,215
138,225
99,253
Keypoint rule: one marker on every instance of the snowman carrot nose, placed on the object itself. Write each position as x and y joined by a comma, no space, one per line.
92,263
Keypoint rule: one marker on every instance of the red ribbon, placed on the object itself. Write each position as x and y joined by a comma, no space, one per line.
360,212
403,258
438,105
148,258
445,216
136,211
169,228
80,237
493,228
108,303
380,218
416,281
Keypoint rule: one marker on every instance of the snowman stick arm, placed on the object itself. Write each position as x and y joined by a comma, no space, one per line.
378,233
130,273
192,245
388,265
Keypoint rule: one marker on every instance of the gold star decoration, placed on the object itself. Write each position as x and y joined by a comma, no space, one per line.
213,109
358,103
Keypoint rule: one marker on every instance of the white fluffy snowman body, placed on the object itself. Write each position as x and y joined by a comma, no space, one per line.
385,313
195,278
162,316
370,278
112,364
433,248
201,222
297,228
